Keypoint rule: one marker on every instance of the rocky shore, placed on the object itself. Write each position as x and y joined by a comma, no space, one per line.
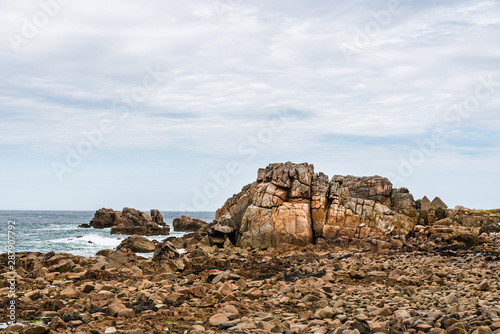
417,287
294,252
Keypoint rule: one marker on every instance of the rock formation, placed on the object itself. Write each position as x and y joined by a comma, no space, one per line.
187,224
104,218
290,204
130,221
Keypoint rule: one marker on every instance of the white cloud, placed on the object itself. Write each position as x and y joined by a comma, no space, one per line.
226,68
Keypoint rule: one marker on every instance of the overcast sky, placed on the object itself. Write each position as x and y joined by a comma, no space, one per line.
175,105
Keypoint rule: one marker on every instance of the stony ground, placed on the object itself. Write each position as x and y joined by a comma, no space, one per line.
435,289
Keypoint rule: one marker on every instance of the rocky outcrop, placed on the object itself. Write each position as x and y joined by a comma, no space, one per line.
157,217
137,244
474,218
104,218
291,204
130,221
187,224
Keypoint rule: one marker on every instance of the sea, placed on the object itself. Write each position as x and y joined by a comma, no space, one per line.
45,231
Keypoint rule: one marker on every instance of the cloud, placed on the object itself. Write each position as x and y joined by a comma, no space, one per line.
229,66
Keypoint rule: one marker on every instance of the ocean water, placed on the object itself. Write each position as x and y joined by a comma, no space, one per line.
45,231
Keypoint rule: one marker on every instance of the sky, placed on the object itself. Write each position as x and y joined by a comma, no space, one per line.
175,105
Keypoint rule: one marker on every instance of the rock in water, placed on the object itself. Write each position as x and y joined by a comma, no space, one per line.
130,221
103,218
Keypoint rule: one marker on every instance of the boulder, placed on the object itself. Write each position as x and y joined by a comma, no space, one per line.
57,324
103,218
165,251
123,258
403,201
187,224
157,217
137,244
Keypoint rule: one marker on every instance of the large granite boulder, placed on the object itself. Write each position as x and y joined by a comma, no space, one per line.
187,224
130,221
290,204
138,244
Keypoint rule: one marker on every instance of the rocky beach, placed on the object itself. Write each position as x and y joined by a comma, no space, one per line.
294,252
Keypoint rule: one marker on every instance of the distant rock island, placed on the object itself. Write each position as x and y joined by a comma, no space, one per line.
129,221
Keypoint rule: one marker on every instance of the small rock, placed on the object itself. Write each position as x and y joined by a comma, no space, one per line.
383,312
482,330
57,323
231,312
126,313
88,287
195,329
423,327
484,286
217,319
36,329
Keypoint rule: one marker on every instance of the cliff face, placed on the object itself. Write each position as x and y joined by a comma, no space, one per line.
290,203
